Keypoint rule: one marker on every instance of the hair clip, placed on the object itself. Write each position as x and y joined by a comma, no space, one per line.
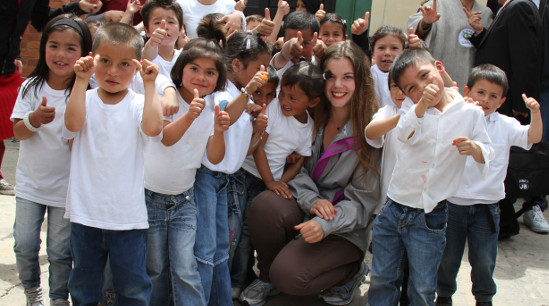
326,75
248,43
343,21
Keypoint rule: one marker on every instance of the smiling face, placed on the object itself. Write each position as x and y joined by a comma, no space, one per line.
417,76
385,51
294,102
114,71
340,81
173,27
331,32
200,73
62,51
489,95
265,94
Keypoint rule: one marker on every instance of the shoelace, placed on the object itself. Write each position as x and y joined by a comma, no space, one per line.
34,295
538,216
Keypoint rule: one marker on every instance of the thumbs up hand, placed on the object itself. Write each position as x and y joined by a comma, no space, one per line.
196,106
222,120
361,25
413,40
321,13
44,114
296,45
158,35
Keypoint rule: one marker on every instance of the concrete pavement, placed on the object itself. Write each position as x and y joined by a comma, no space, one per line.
522,269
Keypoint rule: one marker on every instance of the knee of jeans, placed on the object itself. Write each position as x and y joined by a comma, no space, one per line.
26,244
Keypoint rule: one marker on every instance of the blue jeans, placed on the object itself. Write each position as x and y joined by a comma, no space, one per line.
26,233
212,236
170,260
127,252
404,231
479,226
243,188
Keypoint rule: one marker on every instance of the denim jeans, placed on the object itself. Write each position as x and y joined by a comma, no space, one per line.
127,252
212,236
479,226
26,233
170,260
243,188
400,230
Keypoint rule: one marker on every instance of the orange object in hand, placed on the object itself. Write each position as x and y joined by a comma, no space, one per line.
264,77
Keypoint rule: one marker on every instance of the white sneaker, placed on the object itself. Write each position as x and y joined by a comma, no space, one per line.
6,188
535,220
34,296
257,292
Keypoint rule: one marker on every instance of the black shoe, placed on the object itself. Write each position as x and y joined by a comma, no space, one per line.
443,301
484,303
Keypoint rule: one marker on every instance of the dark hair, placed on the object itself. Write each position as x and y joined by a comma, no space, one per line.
311,5
59,23
363,103
209,27
200,48
407,58
272,76
489,73
300,20
386,31
119,34
244,46
254,17
150,5
307,76
335,18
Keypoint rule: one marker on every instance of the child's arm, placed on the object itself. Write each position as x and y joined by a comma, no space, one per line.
150,51
291,48
378,128
152,121
173,131
44,114
292,170
535,131
169,102
238,105
278,187
260,125
75,112
215,148
283,10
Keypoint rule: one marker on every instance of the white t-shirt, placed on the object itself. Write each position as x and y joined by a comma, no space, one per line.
382,87
237,137
428,167
286,135
164,66
42,173
171,170
193,12
161,83
504,132
106,177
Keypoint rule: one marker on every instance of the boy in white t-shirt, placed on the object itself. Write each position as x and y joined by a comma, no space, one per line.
105,201
437,135
473,212
195,10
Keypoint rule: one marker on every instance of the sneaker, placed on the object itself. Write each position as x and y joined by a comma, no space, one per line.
535,220
59,302
235,291
34,296
6,188
343,295
443,301
257,292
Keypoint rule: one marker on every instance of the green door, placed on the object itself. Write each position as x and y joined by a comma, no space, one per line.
350,10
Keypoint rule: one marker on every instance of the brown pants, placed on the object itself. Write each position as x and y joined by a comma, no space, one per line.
294,266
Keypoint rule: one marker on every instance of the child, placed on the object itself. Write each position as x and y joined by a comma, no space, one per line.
162,21
266,93
196,130
245,56
43,168
105,201
473,212
333,28
438,133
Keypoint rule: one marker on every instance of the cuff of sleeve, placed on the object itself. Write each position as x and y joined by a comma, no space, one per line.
488,155
327,227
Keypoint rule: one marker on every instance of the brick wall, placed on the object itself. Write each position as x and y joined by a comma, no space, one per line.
30,43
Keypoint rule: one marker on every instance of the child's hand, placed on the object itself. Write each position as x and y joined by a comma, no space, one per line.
324,209
240,5
147,69
471,101
44,114
280,189
413,40
296,45
321,13
310,231
531,104
133,6
465,146
85,67
253,109
283,7
293,158
196,106
158,35
262,120
430,92
475,20
170,105
318,46
222,120
266,26
259,79
430,14
361,25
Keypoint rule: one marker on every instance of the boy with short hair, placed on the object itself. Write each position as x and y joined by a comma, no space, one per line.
473,212
437,135
105,201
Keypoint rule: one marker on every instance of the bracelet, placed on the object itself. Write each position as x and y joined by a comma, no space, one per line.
243,91
425,26
28,124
